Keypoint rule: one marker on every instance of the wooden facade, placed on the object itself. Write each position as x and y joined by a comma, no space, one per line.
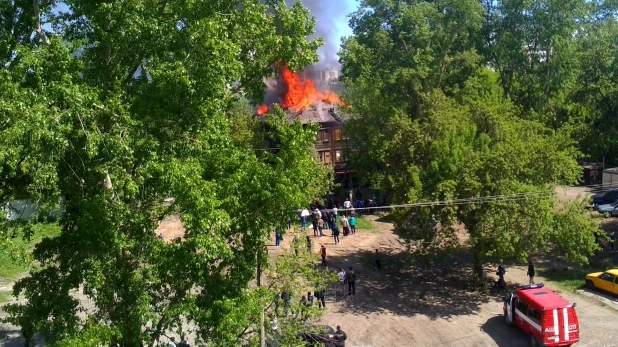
331,143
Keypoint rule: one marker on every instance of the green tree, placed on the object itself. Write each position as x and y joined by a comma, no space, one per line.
455,138
124,105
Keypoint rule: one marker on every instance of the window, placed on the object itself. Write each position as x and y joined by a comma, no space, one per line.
338,156
522,306
318,136
325,157
607,277
325,135
338,134
535,315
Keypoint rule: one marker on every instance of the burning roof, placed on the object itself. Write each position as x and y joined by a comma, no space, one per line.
303,101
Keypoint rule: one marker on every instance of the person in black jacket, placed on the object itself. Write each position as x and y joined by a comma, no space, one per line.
530,272
351,278
340,337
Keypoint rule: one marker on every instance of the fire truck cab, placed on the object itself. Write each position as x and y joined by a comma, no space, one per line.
547,318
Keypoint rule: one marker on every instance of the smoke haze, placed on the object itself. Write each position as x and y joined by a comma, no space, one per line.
331,22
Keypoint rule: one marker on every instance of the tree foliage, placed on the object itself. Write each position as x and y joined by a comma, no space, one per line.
125,104
436,118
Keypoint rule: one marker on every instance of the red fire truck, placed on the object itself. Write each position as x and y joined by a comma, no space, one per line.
548,319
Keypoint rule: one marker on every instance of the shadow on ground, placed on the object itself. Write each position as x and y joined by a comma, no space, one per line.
503,335
401,288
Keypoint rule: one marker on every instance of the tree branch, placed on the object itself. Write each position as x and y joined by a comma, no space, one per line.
37,14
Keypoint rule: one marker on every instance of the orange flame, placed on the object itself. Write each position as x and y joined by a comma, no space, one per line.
302,93
262,109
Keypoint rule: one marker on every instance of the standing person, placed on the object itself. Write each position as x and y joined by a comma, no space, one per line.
342,280
278,238
276,301
351,278
335,214
309,245
376,260
346,225
320,293
314,222
304,214
336,233
289,223
285,296
353,225
303,307
530,272
611,240
325,217
359,205
323,254
320,227
309,299
172,342
347,205
296,244
340,337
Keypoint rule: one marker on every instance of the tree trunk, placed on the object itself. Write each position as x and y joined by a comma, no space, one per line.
477,264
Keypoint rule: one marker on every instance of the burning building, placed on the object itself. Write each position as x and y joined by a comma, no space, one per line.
298,95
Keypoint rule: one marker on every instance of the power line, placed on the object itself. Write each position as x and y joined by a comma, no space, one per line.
483,199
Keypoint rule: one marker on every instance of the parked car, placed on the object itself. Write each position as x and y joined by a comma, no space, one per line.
547,318
609,210
605,198
607,281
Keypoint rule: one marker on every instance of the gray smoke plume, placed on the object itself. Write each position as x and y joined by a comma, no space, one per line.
330,15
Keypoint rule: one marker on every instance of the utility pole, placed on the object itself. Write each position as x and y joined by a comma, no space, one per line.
262,332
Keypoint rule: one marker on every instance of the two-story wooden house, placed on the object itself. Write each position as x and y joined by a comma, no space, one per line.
331,143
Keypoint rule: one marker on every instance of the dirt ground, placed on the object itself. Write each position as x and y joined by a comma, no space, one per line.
407,304
404,305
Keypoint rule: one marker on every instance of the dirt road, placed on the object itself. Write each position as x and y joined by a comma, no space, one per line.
406,306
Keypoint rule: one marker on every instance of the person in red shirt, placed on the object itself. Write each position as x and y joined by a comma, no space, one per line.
323,252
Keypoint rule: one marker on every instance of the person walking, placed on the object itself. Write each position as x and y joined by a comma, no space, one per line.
353,225
320,227
530,272
345,224
278,238
296,244
323,253
611,240
351,278
335,233
376,260
334,214
340,337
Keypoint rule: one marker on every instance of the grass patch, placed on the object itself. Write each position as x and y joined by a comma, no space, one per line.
366,224
568,279
10,269
5,297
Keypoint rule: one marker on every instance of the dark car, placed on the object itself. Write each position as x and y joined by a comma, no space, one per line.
605,198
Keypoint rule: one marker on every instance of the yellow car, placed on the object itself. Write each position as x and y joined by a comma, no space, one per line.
607,280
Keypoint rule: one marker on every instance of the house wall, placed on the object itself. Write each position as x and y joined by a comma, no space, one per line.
331,144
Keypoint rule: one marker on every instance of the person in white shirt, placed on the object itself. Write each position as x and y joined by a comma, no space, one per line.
335,214
347,205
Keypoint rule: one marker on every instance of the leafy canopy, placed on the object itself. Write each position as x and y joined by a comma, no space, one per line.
128,103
